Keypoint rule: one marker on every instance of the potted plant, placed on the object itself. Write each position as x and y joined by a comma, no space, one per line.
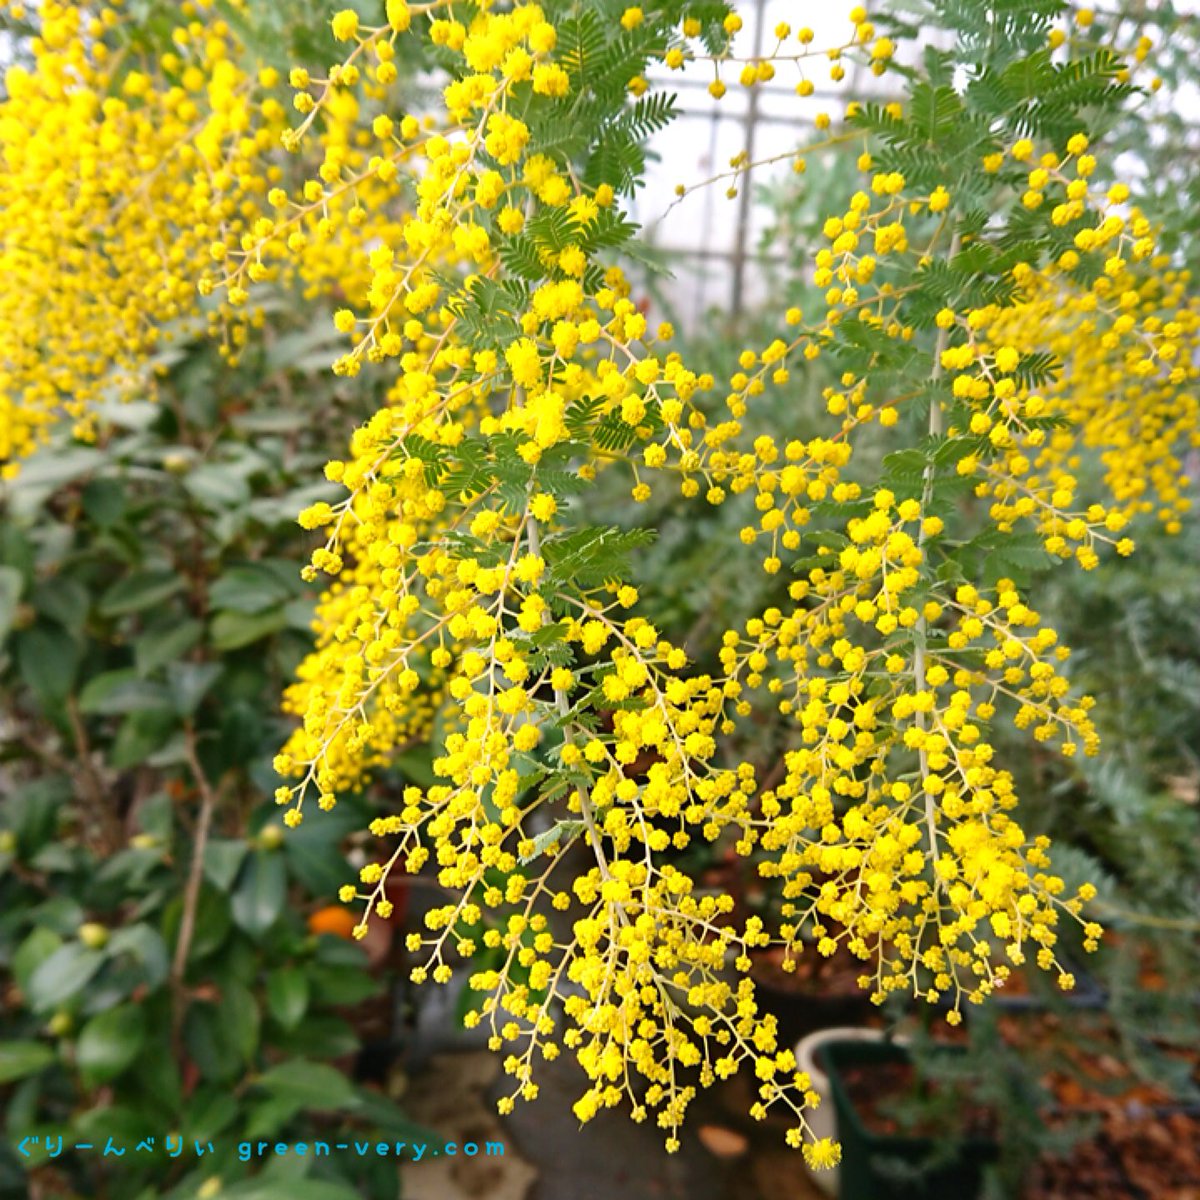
807,991
908,1126
1148,972
823,1119
1088,1107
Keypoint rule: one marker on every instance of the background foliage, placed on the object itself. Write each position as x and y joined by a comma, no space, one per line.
150,613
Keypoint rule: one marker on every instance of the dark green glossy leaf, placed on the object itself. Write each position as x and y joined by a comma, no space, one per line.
221,1037
110,1042
118,692
232,630
314,1085
239,1011
157,1079
211,1110
390,1116
223,858
127,871
139,592
285,1176
165,644
64,600
61,976
268,1117
212,922
217,486
252,588
189,683
48,660
122,1122
261,891
11,585
19,1059
319,1036
32,952
287,995
343,985
104,502
31,811
143,734
147,948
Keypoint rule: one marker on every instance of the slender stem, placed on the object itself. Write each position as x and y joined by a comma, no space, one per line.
90,780
935,429
1154,922
191,896
564,706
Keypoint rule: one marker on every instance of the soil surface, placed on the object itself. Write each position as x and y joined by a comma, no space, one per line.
1133,1157
836,975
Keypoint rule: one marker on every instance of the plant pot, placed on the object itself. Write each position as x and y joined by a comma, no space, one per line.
801,1006
892,1165
374,1062
823,1119
1018,996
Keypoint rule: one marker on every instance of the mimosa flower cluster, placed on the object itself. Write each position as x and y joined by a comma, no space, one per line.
115,179
990,298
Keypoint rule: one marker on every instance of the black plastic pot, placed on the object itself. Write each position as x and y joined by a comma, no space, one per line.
876,1166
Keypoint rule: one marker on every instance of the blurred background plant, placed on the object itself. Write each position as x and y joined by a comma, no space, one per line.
174,964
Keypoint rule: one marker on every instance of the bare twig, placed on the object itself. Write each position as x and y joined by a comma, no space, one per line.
91,783
191,896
